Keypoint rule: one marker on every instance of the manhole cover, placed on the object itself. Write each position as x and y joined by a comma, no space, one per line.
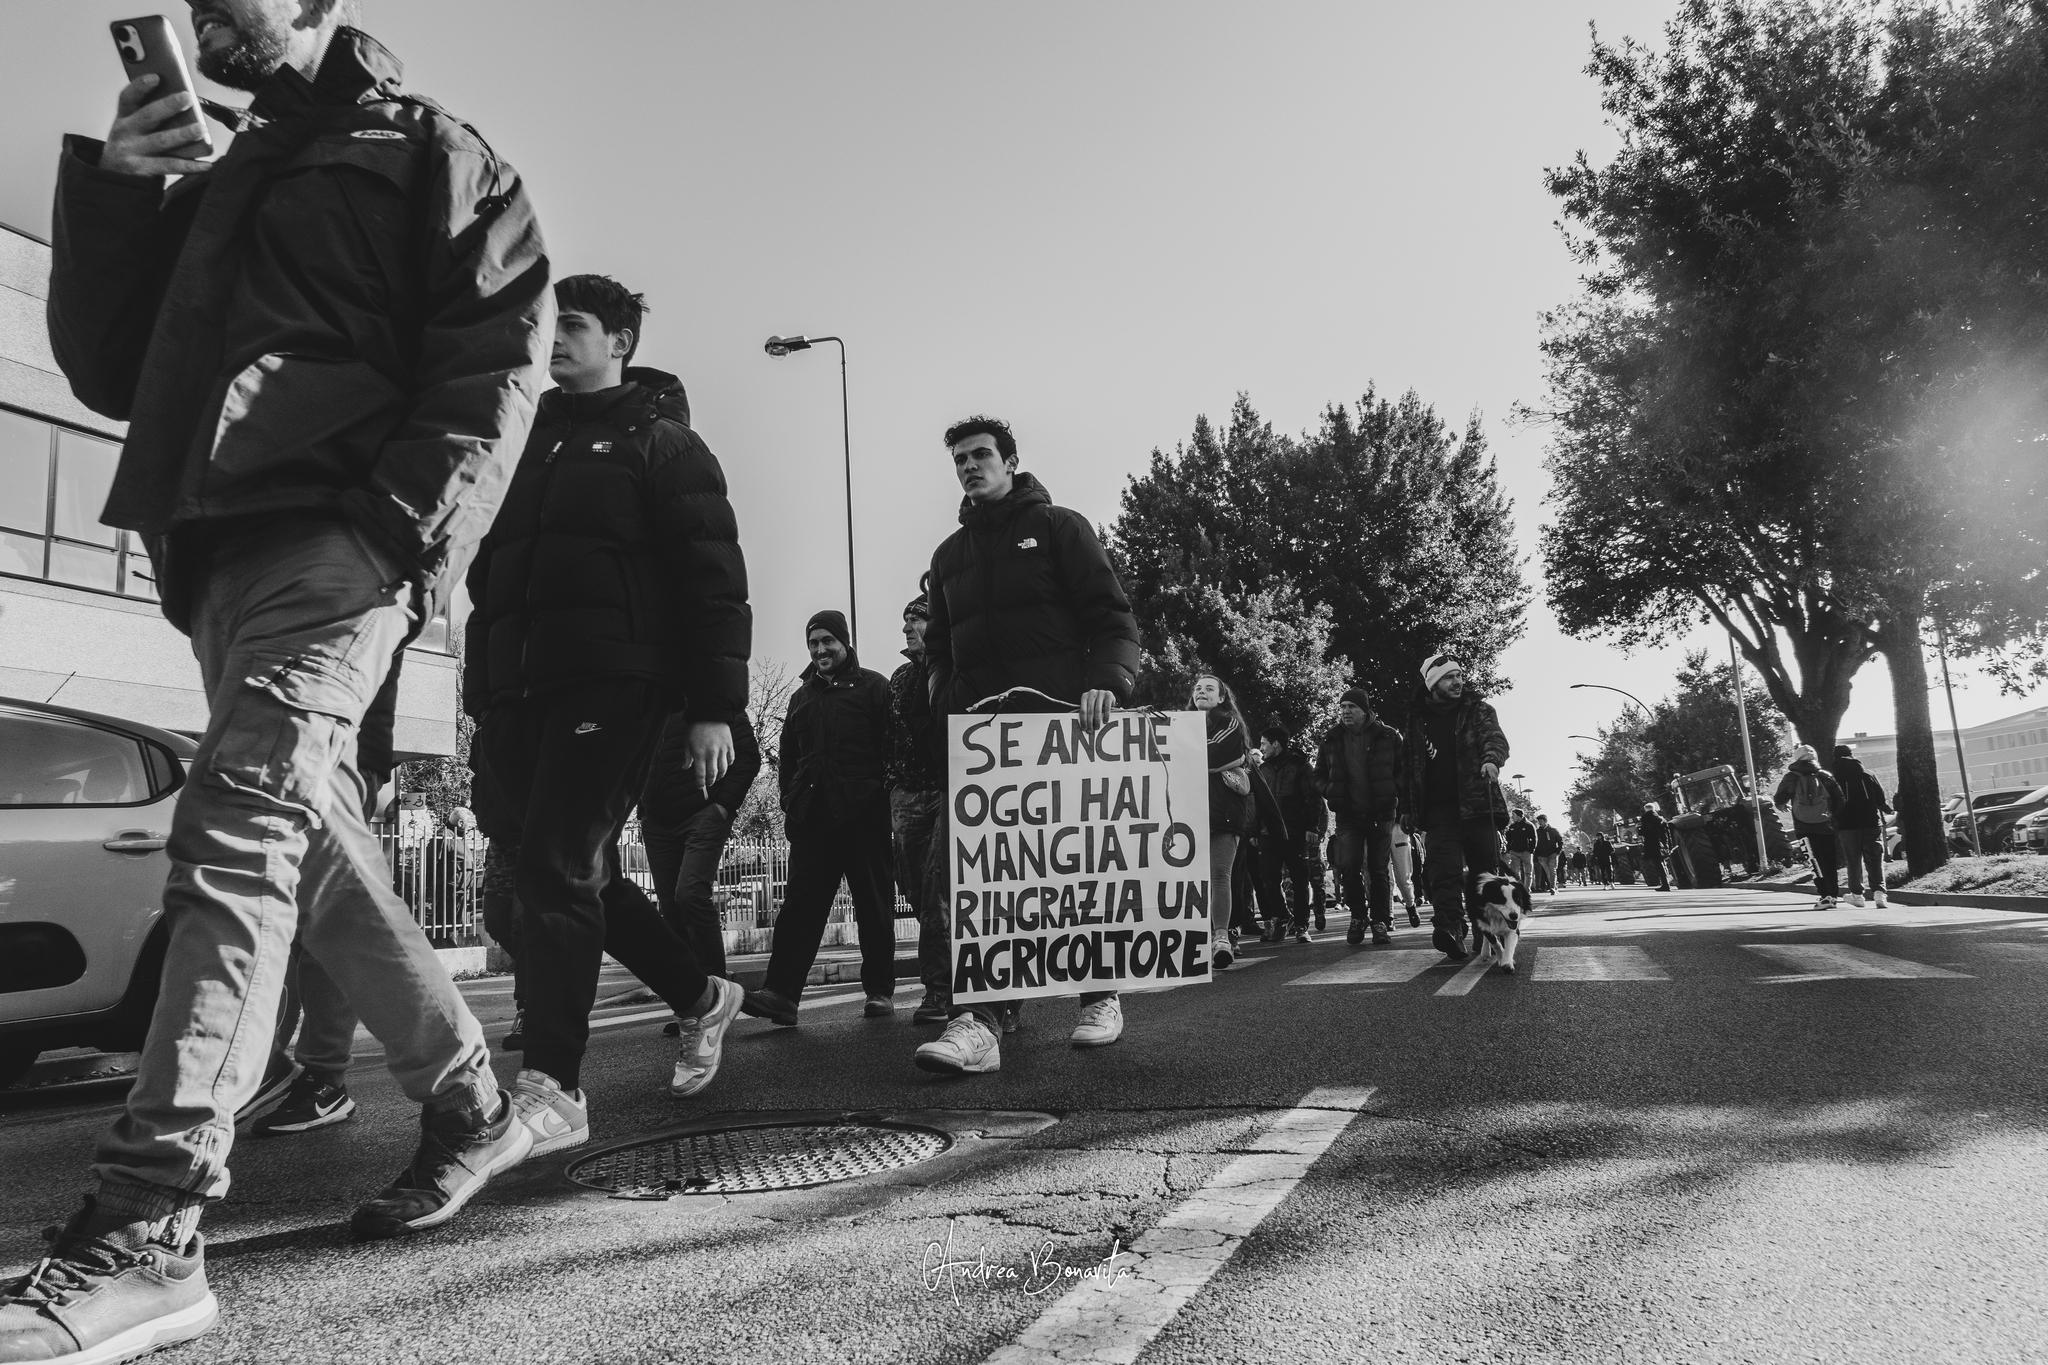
741,1160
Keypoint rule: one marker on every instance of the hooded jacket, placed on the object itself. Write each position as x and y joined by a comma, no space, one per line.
1024,595
1863,800
1549,843
1292,781
1788,787
1381,799
349,314
1480,740
670,797
835,750
616,556
1650,829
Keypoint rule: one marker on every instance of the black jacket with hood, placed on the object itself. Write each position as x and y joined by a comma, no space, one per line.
1024,595
349,314
1863,801
835,751
616,556
1292,781
1480,740
1519,836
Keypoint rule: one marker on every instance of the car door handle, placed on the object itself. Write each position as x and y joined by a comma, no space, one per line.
137,841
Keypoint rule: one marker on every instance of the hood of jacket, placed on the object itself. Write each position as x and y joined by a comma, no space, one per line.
1848,767
1027,491
656,390
1804,765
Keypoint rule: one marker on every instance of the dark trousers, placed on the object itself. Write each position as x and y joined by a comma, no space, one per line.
1458,848
1265,856
1826,854
1603,870
1361,852
1653,857
569,766
857,853
1304,873
1862,857
683,857
912,818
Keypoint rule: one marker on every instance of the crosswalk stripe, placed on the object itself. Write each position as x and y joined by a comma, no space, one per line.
1467,977
1364,969
1839,961
1561,962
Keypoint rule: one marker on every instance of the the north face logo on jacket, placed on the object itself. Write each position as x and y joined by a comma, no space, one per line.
1028,543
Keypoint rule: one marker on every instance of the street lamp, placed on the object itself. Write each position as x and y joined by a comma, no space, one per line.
782,346
1605,688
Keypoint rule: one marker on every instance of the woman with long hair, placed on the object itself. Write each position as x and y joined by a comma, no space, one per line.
1230,803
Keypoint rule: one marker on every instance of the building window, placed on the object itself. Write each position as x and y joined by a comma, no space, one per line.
53,483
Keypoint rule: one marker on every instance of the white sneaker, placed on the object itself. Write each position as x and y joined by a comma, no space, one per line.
1877,898
1223,955
1856,899
701,1041
1101,1023
967,1046
557,1118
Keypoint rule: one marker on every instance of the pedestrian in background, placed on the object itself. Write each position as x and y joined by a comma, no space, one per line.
1578,865
1358,772
1291,779
1603,860
917,789
1549,844
314,445
835,804
1261,856
684,827
1027,615
610,591
1814,799
1406,875
1232,807
1650,830
1520,839
1450,792
1859,826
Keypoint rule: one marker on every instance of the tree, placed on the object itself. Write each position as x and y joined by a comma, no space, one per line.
1803,393
1265,643
768,691
1381,517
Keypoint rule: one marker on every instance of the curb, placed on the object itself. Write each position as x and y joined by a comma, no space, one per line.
2022,905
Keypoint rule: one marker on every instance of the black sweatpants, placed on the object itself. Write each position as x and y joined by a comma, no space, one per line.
569,766
858,853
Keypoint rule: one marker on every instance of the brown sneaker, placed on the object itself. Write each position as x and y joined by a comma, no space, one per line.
105,1295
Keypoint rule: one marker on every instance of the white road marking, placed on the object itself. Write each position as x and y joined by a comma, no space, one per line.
1114,1317
1840,962
1563,962
1399,964
1467,977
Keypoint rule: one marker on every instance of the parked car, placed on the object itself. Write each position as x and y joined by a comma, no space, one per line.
85,812
1983,803
1995,823
2030,833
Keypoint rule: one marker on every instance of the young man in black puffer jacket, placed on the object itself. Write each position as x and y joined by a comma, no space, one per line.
1358,771
610,592
835,801
1291,779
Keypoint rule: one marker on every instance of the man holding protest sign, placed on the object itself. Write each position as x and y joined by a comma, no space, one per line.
1027,616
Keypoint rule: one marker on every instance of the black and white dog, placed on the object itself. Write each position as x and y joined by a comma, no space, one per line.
1503,902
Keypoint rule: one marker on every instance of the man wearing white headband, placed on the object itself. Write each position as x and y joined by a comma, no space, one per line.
1454,753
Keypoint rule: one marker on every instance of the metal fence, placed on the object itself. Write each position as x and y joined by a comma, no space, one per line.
440,878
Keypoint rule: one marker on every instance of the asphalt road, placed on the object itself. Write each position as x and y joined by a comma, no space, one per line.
1717,1126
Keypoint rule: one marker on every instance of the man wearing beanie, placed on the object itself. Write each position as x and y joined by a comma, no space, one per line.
1358,771
1450,795
835,804
917,788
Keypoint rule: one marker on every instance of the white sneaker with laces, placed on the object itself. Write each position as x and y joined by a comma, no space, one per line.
1856,899
557,1118
701,1041
1223,955
967,1046
1101,1023
1877,898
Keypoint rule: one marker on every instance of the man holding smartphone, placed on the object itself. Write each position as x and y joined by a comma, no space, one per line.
327,345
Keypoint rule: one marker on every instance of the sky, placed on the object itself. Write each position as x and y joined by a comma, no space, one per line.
1095,221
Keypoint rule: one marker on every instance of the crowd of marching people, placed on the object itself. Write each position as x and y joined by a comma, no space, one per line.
329,345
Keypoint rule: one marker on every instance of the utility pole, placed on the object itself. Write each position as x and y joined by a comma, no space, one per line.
1956,733
1756,791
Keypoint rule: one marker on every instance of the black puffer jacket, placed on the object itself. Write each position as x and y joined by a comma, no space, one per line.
1480,740
1519,836
1863,801
349,313
1023,595
616,556
1382,797
917,755
835,751
1650,829
670,796
1292,783
1549,843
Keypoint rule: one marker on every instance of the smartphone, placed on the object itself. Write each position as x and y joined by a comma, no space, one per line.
148,47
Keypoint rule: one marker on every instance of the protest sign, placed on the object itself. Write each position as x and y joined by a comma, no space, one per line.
1078,860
